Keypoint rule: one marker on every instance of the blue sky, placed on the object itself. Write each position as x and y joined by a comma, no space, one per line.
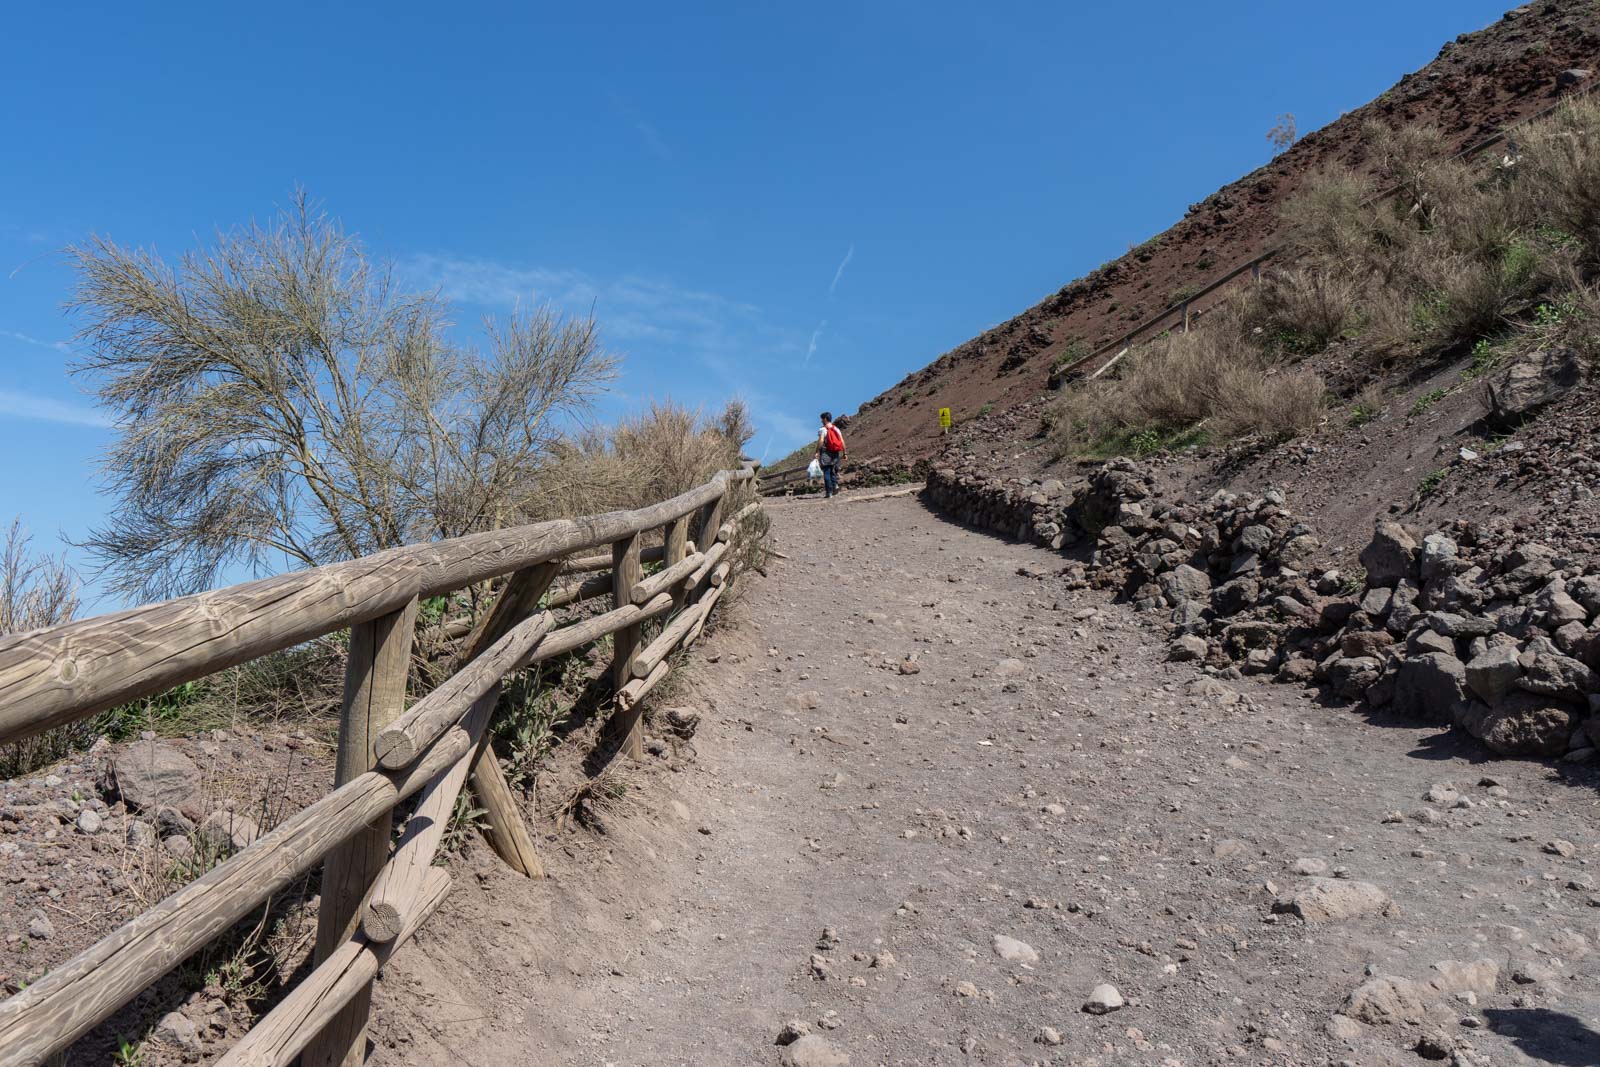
799,203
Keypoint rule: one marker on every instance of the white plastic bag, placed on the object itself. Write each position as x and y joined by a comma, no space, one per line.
814,471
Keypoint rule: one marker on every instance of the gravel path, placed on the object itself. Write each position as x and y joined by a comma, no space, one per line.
938,802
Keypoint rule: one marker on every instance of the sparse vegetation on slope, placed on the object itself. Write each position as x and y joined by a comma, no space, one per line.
1465,259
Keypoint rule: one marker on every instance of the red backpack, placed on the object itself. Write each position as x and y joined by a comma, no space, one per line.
835,439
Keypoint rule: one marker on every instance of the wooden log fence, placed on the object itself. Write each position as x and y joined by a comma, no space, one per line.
374,696
777,481
374,897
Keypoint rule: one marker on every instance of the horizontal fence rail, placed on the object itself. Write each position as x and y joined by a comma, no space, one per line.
373,897
772,481
53,676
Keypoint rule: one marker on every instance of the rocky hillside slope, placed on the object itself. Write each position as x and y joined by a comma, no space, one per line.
1479,83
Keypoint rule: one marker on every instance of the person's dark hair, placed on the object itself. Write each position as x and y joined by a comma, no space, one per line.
826,417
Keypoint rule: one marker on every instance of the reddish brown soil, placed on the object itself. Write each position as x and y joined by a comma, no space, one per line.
1481,82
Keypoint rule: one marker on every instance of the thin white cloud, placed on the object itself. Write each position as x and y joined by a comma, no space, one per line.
487,283
56,346
785,427
19,405
671,325
630,308
816,335
647,132
843,263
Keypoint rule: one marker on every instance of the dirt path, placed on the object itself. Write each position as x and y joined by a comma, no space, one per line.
1042,776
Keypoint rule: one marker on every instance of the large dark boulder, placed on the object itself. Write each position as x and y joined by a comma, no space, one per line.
1494,673
1185,583
1429,686
1352,676
1391,555
1519,391
1520,724
1549,673
1230,598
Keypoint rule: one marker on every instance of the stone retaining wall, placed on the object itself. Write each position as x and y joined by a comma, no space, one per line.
1473,626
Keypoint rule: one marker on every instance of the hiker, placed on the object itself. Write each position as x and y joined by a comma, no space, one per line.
830,450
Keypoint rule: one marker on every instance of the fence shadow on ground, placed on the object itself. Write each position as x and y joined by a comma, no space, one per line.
1547,1036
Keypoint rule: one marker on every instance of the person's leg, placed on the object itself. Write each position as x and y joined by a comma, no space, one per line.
830,484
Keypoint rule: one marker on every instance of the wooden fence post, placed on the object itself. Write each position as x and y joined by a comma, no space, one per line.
625,573
503,827
374,696
710,522
675,542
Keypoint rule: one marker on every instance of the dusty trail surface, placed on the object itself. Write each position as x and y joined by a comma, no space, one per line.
854,835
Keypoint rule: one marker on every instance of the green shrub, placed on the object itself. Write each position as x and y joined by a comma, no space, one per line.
1484,357
1074,351
1427,400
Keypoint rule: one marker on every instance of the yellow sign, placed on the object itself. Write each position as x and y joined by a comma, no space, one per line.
944,418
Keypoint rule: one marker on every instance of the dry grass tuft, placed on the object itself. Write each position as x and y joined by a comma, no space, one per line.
1299,312
1211,381
604,794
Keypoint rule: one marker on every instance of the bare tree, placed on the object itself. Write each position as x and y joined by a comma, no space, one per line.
280,402
734,424
1284,133
35,591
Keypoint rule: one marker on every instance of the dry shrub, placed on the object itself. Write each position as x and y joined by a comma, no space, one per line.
1209,380
663,451
751,546
279,400
36,591
1463,298
1325,219
1558,177
1388,330
1440,263
1258,398
1404,155
596,798
1570,316
1302,311
671,449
